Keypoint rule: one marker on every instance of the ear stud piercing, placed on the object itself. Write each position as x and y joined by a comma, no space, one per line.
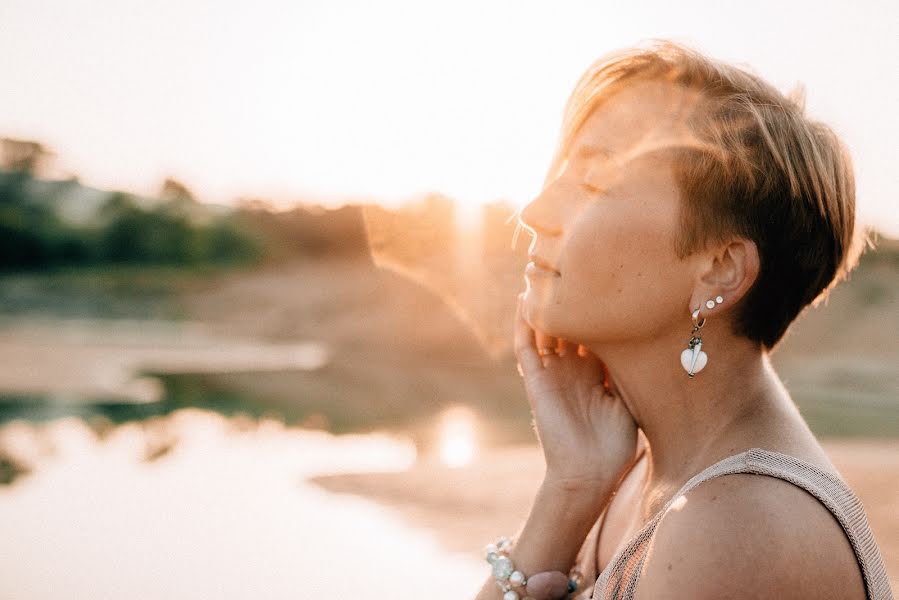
713,303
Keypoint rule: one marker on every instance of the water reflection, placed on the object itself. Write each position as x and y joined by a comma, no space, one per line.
223,511
180,391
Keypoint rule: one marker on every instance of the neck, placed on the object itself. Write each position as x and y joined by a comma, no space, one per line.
687,420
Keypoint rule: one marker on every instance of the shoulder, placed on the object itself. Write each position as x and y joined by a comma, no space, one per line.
749,536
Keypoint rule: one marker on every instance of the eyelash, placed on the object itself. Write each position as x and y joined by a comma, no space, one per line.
591,188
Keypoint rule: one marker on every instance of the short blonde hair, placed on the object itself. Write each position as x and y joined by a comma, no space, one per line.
759,169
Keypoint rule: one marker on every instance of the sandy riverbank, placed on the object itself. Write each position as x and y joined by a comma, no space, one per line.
106,359
470,506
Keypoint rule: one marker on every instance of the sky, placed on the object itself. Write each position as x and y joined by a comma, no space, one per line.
342,100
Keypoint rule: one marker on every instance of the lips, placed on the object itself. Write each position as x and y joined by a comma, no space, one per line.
542,264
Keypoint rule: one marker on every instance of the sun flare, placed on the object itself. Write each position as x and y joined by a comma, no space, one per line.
458,443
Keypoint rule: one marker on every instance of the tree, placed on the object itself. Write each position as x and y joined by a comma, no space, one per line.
24,156
172,189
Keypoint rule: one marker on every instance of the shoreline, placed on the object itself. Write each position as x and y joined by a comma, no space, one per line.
469,506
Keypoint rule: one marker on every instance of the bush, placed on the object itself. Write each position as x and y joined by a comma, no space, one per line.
32,236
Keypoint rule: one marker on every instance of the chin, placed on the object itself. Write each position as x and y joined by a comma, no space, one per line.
565,321
539,314
532,308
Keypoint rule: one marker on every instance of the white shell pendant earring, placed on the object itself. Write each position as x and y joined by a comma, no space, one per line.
693,359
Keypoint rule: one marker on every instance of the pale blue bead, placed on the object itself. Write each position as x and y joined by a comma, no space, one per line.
502,568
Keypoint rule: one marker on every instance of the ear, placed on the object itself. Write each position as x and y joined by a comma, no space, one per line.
727,271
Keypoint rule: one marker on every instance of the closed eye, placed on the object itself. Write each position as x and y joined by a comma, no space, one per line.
589,187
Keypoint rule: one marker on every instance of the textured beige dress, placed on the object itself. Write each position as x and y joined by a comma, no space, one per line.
618,581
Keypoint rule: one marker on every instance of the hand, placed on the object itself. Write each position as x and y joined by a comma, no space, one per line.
589,438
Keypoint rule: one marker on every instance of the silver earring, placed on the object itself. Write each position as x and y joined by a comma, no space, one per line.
693,359
710,304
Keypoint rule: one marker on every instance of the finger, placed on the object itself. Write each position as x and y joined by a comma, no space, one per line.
544,340
600,367
588,356
606,378
597,364
525,348
549,357
563,347
589,366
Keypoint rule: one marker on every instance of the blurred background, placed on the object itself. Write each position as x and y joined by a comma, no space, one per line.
257,274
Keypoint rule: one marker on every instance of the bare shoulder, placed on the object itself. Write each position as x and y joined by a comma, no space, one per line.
749,536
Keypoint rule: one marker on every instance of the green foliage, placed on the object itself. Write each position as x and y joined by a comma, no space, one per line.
225,239
32,236
161,235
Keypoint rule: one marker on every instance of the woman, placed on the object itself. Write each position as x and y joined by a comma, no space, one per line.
691,212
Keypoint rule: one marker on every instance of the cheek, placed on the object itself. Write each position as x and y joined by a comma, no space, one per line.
622,280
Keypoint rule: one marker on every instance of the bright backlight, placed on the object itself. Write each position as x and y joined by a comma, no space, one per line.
458,444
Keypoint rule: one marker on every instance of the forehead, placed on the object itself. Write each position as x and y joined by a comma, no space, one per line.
636,120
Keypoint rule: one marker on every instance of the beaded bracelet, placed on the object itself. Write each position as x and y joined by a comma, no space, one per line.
555,584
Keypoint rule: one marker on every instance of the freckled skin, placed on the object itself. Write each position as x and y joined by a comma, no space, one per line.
603,222
608,226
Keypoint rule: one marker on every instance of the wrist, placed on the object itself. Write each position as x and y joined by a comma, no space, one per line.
562,514
577,487
515,585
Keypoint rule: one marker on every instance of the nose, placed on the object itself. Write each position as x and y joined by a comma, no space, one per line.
541,215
